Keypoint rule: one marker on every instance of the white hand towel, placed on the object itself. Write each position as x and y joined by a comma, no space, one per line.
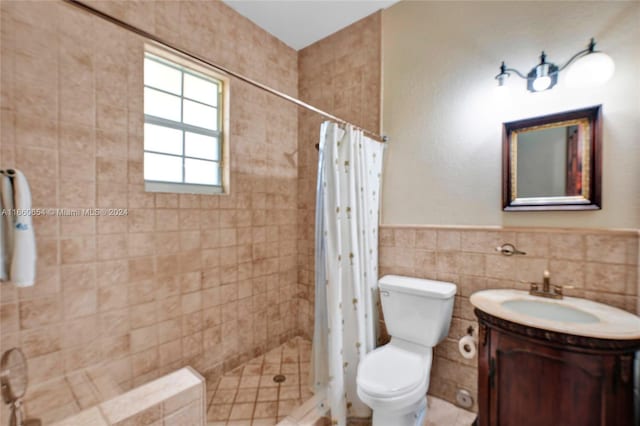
6,226
23,257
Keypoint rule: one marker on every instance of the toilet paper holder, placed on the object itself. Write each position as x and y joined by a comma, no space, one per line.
467,344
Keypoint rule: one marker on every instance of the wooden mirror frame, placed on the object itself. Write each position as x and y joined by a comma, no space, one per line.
594,188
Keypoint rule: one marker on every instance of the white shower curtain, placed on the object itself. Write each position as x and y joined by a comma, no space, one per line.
347,209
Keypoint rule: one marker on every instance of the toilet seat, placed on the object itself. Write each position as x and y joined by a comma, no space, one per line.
391,371
394,378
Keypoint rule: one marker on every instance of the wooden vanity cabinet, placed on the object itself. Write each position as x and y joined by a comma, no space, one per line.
533,377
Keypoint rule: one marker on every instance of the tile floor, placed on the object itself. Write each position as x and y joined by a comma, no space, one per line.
248,395
443,413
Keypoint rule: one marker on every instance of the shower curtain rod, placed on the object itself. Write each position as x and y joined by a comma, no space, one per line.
90,9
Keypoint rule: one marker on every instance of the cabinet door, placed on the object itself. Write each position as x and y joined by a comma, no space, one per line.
535,385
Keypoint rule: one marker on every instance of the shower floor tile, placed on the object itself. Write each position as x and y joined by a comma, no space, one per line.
249,396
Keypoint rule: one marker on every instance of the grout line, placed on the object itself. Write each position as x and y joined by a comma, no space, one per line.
255,399
279,384
76,399
235,395
298,348
212,396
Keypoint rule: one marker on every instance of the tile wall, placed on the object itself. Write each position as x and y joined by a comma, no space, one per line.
206,281
340,74
601,265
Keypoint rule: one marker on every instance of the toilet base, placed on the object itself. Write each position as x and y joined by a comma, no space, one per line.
410,416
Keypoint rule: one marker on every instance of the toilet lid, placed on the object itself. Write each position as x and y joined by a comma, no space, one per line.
390,371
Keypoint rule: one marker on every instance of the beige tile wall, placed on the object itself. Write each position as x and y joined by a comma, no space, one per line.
602,265
207,281
340,74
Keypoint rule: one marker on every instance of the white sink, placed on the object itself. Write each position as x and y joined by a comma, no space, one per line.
570,315
549,311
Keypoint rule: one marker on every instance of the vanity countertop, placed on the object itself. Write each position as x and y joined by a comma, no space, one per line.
593,319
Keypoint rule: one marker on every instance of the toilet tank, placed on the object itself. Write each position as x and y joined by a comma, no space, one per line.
417,310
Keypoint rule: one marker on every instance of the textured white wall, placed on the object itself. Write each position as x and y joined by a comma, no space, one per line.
444,115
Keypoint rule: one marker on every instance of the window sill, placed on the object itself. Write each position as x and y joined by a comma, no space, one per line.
182,188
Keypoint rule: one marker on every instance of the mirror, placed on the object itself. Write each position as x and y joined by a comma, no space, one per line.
13,380
553,162
13,375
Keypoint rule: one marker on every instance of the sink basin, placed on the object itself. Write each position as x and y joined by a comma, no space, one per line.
550,311
570,315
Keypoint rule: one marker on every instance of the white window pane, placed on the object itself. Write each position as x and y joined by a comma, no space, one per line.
161,104
200,171
162,139
201,146
162,76
200,89
200,115
162,167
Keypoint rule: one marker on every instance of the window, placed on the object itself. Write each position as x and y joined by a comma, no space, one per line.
183,126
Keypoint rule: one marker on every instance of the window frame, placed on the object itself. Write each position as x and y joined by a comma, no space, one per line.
190,66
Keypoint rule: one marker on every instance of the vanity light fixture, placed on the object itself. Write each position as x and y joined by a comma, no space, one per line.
588,67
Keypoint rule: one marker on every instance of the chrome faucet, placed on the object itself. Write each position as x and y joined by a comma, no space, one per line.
548,290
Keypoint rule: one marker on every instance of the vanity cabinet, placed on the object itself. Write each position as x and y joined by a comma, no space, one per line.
533,377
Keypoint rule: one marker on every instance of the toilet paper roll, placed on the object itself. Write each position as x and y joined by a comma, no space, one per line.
467,347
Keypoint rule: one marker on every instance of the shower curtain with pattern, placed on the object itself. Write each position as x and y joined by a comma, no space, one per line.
346,264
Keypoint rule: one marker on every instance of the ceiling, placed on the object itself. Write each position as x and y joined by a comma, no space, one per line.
299,23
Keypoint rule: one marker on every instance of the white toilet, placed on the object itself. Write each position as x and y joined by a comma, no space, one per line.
393,379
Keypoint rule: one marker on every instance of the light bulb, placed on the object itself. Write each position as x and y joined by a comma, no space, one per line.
541,83
592,69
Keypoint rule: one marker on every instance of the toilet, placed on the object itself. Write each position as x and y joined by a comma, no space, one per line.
393,379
